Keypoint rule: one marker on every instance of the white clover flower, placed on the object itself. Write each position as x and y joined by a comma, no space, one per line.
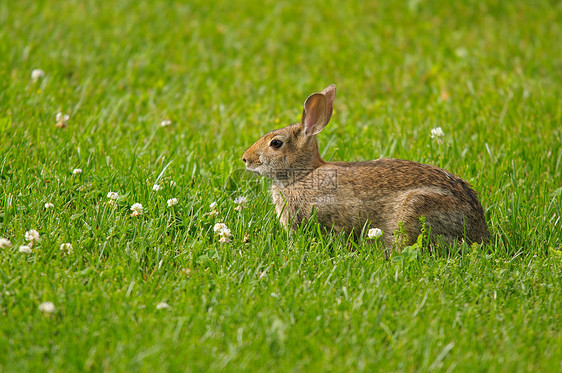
32,235
437,133
172,202
77,171
47,307
213,207
156,187
49,205
67,248
165,123
374,233
461,52
137,209
62,120
5,243
222,230
219,227
162,305
62,117
112,195
37,74
241,202
25,249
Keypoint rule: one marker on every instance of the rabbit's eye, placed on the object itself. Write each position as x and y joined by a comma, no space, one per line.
276,144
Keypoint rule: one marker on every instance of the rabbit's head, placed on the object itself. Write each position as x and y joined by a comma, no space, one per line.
286,153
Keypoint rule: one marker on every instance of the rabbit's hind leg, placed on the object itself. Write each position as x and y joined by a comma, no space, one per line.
442,212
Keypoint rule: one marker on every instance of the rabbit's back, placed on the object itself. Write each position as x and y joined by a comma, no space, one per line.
382,193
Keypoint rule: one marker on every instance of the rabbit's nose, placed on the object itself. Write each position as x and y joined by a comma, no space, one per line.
244,159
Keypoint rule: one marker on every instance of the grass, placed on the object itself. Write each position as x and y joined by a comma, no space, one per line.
488,72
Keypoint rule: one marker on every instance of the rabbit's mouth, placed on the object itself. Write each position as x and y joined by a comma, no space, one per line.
261,170
257,169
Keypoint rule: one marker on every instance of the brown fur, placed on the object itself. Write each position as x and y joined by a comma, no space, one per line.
349,196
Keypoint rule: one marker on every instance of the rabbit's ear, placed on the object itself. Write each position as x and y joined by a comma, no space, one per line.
314,117
330,94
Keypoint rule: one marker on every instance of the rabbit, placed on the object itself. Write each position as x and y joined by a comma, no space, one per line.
389,194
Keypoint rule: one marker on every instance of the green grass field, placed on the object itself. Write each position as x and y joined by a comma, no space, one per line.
159,292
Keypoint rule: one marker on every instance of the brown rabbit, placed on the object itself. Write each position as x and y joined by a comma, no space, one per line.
351,196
